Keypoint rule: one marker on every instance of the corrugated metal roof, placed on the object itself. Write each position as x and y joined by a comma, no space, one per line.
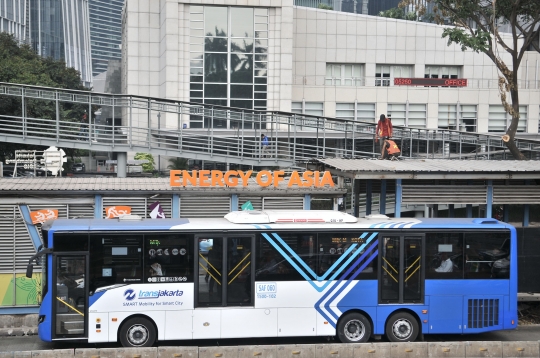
76,185
434,168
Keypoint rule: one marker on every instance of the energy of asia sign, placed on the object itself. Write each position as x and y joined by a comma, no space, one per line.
264,178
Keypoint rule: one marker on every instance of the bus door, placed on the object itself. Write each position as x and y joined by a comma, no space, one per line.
70,296
225,279
401,277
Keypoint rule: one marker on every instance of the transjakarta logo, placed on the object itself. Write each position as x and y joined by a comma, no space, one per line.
159,293
129,294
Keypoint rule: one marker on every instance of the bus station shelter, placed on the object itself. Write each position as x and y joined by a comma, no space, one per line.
437,181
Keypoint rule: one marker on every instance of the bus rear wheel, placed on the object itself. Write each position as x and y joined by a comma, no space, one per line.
402,327
354,328
137,332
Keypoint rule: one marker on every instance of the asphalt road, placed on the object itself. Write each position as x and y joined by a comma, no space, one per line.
32,343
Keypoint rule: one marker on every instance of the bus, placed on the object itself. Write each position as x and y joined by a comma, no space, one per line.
275,274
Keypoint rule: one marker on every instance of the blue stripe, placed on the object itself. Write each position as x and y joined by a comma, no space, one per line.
34,234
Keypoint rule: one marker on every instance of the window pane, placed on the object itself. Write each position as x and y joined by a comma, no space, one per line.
215,91
215,44
487,255
241,68
241,91
215,67
169,258
242,45
444,253
215,21
241,22
242,104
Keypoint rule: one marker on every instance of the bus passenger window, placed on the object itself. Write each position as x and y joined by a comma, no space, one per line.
445,255
115,259
168,258
487,255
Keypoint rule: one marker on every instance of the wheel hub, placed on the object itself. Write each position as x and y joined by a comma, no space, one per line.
354,330
138,335
402,329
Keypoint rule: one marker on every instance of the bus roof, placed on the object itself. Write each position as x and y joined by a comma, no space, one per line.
210,224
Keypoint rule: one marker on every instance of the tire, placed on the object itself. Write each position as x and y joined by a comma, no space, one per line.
354,328
402,327
137,332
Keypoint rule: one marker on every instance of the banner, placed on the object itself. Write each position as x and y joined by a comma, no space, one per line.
40,216
116,211
156,211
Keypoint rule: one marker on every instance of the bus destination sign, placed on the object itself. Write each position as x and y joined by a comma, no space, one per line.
444,82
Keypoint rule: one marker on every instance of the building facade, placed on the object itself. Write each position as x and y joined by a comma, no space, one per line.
282,57
105,32
14,19
60,30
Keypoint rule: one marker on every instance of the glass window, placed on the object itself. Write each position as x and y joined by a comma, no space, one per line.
241,91
344,74
417,116
168,258
215,91
345,110
447,116
444,252
70,242
365,112
314,108
215,67
385,74
239,26
115,258
487,255
468,118
215,44
399,113
215,21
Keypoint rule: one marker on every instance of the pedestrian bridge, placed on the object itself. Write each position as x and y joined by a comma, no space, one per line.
126,123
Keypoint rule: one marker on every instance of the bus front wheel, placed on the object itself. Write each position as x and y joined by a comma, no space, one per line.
354,328
402,327
137,332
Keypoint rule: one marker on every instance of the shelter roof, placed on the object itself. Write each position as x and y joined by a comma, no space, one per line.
431,168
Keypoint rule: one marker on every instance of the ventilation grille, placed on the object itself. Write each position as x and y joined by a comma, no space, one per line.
204,207
256,202
16,246
139,205
444,194
483,313
283,203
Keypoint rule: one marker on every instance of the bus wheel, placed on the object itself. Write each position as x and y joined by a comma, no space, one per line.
137,332
402,327
354,328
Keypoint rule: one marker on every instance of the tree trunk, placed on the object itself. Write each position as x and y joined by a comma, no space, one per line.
512,129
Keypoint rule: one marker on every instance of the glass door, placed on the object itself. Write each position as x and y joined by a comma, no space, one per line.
401,269
224,271
70,295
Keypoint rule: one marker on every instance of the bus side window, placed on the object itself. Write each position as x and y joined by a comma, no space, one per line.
444,255
168,258
487,255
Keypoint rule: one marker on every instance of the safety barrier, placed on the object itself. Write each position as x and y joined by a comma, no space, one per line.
371,350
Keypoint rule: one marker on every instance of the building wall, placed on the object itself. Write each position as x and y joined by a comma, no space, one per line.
14,19
304,41
105,32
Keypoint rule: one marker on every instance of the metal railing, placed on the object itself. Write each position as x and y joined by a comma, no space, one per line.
224,134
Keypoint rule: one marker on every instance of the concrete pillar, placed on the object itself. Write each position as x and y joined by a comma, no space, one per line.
98,207
121,165
369,196
175,206
382,200
234,202
307,202
397,210
356,193
489,199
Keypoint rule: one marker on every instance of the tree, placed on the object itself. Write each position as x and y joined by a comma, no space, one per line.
397,13
149,166
20,64
178,164
476,27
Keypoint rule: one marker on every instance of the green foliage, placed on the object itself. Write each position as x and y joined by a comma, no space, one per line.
20,64
479,42
147,167
393,13
325,7
178,164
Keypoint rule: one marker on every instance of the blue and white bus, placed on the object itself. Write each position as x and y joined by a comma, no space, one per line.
275,274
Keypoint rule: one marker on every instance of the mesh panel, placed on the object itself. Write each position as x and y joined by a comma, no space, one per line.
204,207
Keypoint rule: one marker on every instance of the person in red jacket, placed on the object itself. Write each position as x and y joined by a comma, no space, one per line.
383,131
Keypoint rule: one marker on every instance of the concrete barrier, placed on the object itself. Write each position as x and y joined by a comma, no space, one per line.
520,349
218,352
334,350
54,353
178,352
296,351
22,354
372,350
257,352
483,349
446,349
409,349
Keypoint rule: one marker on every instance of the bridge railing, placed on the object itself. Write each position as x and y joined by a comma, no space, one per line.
193,130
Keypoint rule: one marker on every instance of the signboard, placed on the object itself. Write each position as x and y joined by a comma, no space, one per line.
448,82
40,216
52,160
116,211
264,178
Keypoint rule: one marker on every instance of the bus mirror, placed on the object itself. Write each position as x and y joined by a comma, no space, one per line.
29,270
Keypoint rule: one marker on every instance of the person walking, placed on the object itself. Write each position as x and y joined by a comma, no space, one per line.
383,131
264,146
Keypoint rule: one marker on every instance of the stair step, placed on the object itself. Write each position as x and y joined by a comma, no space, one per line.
74,331
73,325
